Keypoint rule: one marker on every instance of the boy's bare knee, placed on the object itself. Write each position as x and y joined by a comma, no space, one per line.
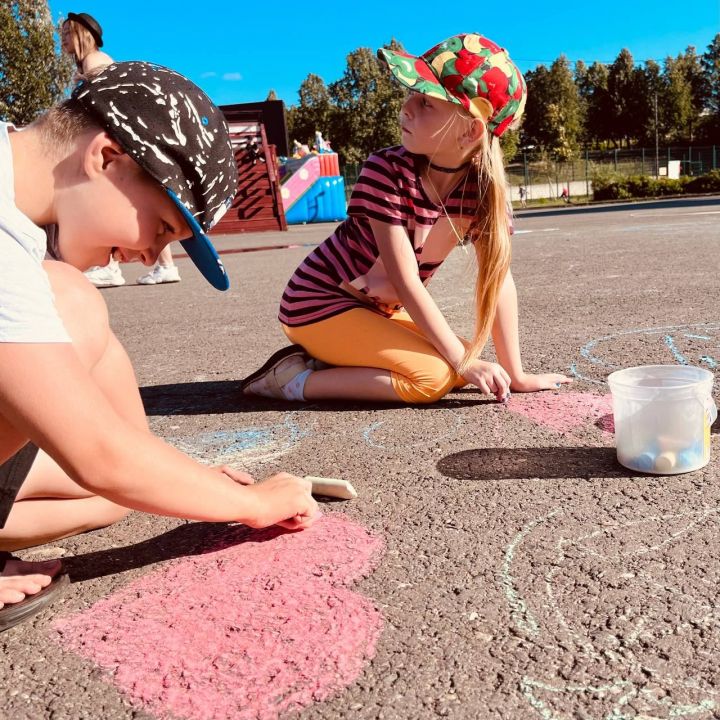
82,309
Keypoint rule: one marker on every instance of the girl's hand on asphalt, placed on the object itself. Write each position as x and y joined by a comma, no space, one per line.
489,377
530,382
283,500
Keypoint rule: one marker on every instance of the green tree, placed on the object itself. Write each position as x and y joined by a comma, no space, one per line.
622,80
368,103
710,63
33,73
651,93
593,90
272,95
679,112
554,116
510,144
314,111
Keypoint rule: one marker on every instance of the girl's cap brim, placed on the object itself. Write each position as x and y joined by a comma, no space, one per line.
415,74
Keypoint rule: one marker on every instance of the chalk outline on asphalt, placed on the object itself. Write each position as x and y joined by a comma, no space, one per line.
239,450
526,622
587,351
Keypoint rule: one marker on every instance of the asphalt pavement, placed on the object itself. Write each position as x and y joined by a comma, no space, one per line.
498,562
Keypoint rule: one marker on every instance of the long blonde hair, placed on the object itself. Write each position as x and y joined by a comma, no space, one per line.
489,233
83,42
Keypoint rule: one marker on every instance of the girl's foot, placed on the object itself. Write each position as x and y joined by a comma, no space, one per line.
275,377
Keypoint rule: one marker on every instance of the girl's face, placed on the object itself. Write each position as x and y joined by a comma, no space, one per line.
67,38
118,210
429,126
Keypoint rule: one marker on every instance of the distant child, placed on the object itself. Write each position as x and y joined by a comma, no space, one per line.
137,157
523,195
82,38
359,302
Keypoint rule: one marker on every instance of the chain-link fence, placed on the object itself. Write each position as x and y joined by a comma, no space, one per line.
544,178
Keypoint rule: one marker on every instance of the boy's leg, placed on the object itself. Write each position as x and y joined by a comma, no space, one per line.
50,505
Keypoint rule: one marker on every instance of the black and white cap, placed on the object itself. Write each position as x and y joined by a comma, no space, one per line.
172,130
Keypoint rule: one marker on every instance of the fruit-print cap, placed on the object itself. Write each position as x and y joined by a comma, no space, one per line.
172,130
467,70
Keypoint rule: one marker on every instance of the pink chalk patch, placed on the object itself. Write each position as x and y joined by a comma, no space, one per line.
566,411
264,625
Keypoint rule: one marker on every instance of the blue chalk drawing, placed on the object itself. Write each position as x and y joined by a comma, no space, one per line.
533,566
679,357
367,432
244,446
598,354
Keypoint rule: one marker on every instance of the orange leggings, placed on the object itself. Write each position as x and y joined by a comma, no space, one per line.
364,338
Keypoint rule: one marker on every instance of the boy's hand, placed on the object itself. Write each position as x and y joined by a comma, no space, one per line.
530,382
491,378
238,476
284,500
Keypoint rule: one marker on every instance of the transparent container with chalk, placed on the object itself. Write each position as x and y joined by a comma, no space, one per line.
663,415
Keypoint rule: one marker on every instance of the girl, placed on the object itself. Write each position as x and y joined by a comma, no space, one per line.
82,39
359,302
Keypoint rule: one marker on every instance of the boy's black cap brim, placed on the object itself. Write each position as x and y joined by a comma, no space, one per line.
200,250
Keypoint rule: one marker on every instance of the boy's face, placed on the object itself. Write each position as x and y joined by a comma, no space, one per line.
111,206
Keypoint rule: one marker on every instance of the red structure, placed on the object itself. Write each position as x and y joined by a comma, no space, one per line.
257,204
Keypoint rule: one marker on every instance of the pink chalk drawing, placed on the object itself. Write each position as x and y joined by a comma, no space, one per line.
565,412
260,627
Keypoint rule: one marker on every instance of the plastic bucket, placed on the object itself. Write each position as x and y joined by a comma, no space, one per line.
663,415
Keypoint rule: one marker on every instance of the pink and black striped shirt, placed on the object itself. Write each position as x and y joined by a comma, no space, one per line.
347,265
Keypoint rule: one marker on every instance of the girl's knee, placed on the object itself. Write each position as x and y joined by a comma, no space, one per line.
82,309
425,385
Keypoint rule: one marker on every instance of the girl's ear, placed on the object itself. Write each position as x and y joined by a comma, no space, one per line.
474,130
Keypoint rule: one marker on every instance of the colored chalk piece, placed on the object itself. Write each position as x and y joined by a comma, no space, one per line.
665,462
332,487
689,458
645,462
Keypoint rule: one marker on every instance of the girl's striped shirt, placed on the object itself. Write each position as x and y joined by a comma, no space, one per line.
345,272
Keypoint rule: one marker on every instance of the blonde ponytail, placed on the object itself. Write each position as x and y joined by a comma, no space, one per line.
489,233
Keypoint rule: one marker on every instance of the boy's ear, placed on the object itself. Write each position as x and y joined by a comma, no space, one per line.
100,152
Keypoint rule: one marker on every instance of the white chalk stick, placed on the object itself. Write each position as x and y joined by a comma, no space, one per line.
665,462
332,487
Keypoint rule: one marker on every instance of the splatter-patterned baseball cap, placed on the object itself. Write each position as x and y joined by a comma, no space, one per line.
468,70
173,131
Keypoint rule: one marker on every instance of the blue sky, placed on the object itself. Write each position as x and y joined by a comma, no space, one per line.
238,51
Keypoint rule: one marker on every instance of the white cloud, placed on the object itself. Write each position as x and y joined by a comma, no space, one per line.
233,76
208,74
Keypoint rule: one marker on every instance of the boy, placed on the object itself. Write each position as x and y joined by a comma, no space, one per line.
136,158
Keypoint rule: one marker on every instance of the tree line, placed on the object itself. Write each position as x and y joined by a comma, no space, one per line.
569,109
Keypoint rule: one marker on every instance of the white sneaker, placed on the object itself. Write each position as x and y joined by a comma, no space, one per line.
160,274
108,275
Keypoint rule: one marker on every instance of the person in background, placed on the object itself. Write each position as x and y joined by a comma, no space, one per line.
164,271
82,38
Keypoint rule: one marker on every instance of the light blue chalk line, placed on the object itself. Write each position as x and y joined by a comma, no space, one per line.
524,620
519,612
586,351
709,361
698,337
679,357
370,429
